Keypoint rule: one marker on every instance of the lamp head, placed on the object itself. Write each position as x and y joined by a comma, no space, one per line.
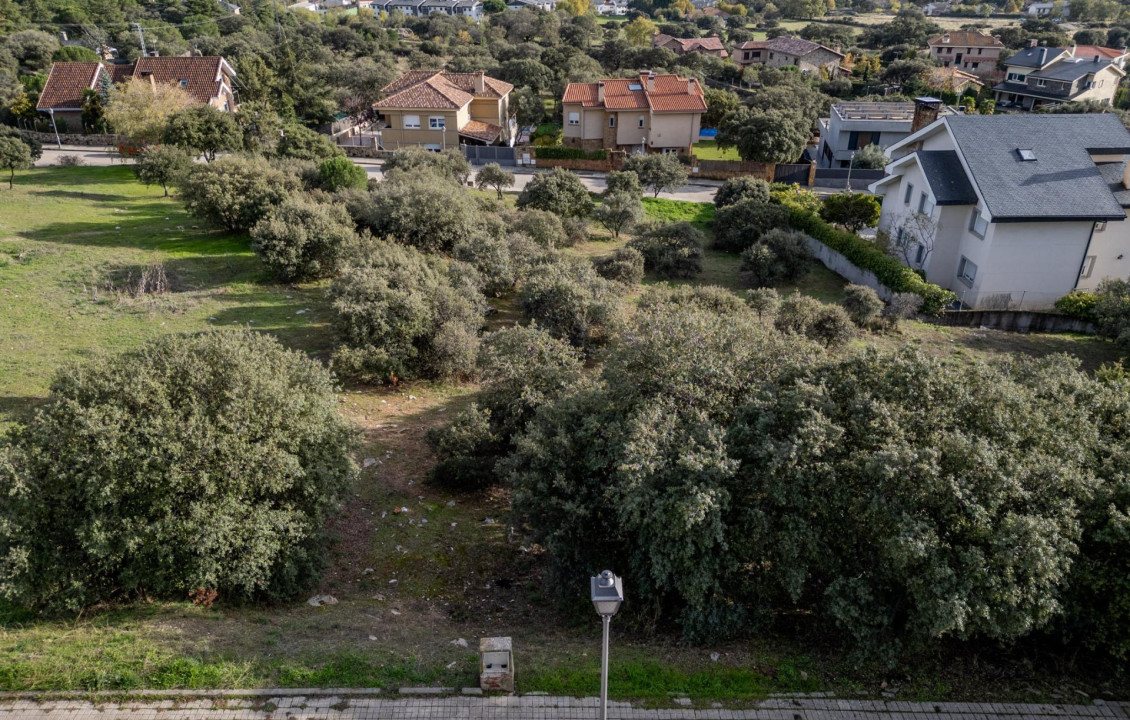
607,593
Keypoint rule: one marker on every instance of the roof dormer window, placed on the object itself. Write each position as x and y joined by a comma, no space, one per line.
1026,154
183,82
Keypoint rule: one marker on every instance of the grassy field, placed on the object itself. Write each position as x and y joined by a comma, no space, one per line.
709,150
69,240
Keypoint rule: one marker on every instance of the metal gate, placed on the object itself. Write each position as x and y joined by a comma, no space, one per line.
790,174
483,154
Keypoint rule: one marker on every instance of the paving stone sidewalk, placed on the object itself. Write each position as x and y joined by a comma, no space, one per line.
355,705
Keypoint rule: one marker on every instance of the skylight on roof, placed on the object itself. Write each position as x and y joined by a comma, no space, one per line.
635,86
1026,154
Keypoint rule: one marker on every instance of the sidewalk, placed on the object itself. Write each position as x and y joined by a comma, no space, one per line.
352,704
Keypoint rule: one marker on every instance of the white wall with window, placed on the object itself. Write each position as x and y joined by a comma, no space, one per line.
1110,249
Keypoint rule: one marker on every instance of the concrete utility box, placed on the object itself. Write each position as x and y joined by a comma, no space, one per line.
496,664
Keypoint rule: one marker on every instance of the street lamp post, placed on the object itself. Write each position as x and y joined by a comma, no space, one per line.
58,141
607,595
851,162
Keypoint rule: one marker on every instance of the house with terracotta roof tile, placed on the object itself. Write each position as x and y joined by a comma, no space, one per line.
966,50
648,113
437,110
683,46
811,58
208,80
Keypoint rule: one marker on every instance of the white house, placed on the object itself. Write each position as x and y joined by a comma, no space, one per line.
1011,211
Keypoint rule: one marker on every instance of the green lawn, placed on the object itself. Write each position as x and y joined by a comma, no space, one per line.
72,240
709,150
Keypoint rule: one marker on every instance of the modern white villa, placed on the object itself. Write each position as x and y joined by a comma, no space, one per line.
1011,211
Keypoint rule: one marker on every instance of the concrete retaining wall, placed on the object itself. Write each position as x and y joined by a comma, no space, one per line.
837,263
1017,321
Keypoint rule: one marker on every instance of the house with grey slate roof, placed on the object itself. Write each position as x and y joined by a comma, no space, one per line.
1011,211
1037,76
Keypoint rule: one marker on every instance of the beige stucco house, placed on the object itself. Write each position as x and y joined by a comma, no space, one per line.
648,113
437,110
967,50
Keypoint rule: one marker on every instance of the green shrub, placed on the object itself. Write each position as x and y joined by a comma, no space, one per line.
571,302
1112,311
716,299
738,226
624,266
301,239
1079,304
162,165
780,256
740,188
558,152
341,173
557,191
829,325
205,461
235,191
889,271
302,143
402,314
862,304
671,251
450,164
413,208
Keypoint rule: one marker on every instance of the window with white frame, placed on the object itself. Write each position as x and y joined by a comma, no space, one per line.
909,194
1040,82
1088,266
411,122
437,122
966,271
574,118
1016,77
977,224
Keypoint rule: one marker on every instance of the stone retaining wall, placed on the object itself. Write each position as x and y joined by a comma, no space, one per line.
837,263
1017,321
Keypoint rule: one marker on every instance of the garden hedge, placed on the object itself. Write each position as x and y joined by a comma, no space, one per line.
558,152
888,270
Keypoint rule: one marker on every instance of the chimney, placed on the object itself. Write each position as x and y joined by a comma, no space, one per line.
1074,47
692,86
1033,42
480,84
1043,56
946,39
1126,176
1096,58
154,53
651,81
925,112
600,92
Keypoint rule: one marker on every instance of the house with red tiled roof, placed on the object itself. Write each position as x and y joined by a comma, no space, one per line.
439,109
647,113
208,80
682,46
807,56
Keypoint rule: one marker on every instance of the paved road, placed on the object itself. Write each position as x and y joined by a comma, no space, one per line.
698,192
356,705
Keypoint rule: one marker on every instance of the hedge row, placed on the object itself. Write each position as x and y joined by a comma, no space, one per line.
557,152
888,270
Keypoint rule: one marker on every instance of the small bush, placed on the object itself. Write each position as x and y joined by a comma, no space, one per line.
162,165
741,188
210,460
302,143
851,210
829,325
624,266
341,173
571,302
235,191
490,255
403,314
903,306
764,301
780,256
300,239
1078,303
717,300
862,304
671,251
415,209
544,228
1112,311
559,192
450,164
738,226
71,161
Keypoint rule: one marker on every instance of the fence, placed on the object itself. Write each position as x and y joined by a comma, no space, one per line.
799,174
1017,321
838,177
48,139
725,169
483,154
